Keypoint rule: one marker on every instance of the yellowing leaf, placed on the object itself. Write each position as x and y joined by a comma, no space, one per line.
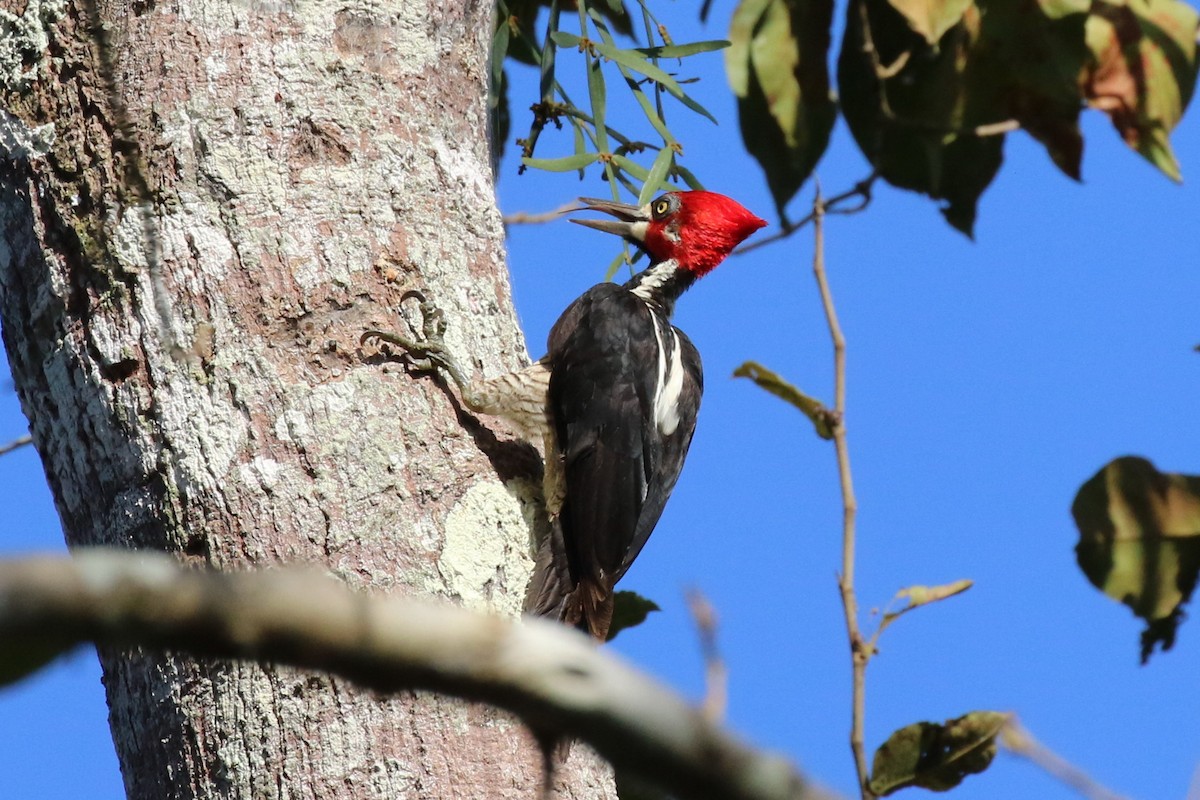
1144,71
812,408
923,595
931,18
1139,542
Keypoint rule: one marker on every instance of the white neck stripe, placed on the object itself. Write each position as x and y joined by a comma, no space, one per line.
654,278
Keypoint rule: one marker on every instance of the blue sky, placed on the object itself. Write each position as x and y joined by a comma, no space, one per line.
987,381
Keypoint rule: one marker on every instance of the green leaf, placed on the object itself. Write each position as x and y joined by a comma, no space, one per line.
565,39
615,265
1139,542
17,663
932,18
930,92
656,180
692,105
499,51
683,50
776,65
1027,65
812,408
500,122
936,757
632,167
549,57
598,95
914,126
521,44
580,143
630,609
564,164
695,185
648,108
633,60
1144,71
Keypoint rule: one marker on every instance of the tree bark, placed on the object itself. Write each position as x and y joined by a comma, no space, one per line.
204,204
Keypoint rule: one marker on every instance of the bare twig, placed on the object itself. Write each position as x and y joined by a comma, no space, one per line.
861,191
859,652
19,442
527,218
1020,742
716,677
550,677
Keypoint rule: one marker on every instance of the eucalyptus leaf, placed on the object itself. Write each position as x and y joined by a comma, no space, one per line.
683,50
598,95
632,167
564,164
691,180
656,180
633,60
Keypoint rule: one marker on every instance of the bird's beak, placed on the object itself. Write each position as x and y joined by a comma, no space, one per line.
630,222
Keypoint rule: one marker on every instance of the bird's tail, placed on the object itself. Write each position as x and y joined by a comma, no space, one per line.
555,594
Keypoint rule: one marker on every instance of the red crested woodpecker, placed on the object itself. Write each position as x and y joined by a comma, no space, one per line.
613,402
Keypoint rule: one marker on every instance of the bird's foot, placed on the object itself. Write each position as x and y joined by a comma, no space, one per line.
427,353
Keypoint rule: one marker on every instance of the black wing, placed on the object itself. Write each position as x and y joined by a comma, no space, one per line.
619,464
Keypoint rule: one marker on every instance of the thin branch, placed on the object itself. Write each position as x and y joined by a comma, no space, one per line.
859,652
1020,742
860,191
552,678
716,677
527,218
19,442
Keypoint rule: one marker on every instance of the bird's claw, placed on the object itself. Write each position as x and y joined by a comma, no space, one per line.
430,352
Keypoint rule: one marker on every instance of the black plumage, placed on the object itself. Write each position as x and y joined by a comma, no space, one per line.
622,431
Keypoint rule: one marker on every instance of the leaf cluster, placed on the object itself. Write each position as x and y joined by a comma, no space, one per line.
930,88
642,70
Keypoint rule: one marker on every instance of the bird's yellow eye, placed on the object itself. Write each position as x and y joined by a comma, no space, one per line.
662,206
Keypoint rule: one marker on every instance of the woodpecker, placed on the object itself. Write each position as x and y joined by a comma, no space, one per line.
613,402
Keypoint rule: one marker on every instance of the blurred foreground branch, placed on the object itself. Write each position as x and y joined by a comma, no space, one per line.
716,676
550,677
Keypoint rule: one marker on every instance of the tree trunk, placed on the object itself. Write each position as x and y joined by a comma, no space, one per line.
204,204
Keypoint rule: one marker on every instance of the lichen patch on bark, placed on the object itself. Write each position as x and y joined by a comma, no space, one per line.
23,35
479,549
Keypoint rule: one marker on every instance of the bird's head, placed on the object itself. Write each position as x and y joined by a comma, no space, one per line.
696,229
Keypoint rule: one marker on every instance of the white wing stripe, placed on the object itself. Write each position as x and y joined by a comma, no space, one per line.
669,383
